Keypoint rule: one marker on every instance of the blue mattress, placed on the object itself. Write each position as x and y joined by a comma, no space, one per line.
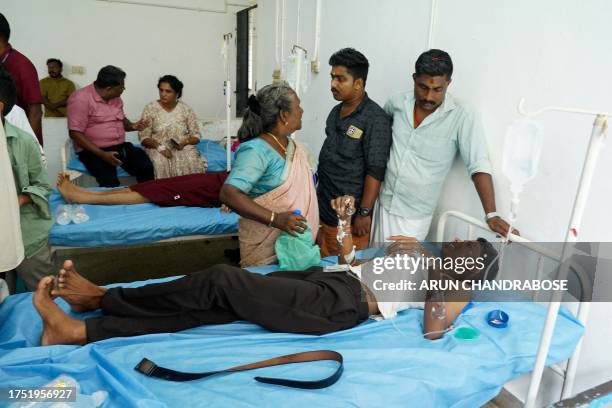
111,225
387,363
214,153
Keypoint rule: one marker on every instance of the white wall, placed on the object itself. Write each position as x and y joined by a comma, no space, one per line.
550,52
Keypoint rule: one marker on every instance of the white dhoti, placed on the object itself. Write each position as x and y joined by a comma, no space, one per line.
385,225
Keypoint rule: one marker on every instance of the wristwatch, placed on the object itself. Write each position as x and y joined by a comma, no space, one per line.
491,215
365,211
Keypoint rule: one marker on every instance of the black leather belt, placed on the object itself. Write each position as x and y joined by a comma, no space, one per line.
149,368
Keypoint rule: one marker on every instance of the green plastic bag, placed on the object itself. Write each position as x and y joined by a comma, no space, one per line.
297,253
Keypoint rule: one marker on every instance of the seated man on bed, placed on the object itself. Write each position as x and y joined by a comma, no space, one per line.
311,301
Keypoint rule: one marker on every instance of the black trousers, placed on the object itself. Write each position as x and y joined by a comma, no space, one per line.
311,301
135,162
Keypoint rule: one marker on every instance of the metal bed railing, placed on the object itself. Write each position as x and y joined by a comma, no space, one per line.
582,310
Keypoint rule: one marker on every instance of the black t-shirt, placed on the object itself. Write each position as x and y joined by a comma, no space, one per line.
356,146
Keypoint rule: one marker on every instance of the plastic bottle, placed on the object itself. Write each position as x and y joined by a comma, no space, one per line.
63,214
79,215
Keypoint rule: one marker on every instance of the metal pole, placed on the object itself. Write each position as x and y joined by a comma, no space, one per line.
228,104
584,185
432,23
572,365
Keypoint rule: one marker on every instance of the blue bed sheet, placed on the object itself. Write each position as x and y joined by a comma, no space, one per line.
111,225
387,363
213,151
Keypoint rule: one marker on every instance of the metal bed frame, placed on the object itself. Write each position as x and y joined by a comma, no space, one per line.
567,373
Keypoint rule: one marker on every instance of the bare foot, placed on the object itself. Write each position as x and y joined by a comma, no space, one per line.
58,327
81,294
65,187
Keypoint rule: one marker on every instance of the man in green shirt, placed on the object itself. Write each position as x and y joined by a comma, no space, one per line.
430,126
33,189
55,90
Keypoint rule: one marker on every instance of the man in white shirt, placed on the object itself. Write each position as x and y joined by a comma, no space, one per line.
12,252
18,118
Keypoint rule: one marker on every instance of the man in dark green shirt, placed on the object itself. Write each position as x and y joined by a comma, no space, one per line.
55,90
33,189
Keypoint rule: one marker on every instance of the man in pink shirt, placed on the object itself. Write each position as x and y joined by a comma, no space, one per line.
97,127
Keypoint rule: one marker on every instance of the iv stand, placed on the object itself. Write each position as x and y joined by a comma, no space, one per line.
596,143
227,91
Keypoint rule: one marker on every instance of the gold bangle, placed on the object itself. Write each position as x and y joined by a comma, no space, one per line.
272,219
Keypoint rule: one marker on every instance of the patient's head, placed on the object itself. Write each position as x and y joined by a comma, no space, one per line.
276,109
483,264
8,92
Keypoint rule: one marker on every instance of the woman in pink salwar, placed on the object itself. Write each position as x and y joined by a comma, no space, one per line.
272,175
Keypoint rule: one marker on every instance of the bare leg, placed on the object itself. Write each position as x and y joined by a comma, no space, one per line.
81,294
58,327
75,194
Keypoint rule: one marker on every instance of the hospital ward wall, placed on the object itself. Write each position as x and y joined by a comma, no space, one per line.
549,52
146,42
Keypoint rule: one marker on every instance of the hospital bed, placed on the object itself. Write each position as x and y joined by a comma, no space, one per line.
146,234
124,243
214,153
578,302
214,147
144,223
387,363
117,225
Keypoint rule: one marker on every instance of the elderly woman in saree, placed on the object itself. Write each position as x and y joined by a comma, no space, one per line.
272,175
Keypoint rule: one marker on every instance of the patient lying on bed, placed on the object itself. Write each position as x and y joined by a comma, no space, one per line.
193,190
311,302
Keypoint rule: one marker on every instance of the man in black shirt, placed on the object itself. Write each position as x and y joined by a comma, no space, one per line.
354,155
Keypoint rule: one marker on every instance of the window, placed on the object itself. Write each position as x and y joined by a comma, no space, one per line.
246,40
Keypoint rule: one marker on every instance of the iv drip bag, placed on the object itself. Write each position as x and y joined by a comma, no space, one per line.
522,148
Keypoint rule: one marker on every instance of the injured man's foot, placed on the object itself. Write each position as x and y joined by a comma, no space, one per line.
65,187
81,294
58,327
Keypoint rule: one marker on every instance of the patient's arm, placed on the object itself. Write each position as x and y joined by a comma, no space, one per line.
433,328
341,205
